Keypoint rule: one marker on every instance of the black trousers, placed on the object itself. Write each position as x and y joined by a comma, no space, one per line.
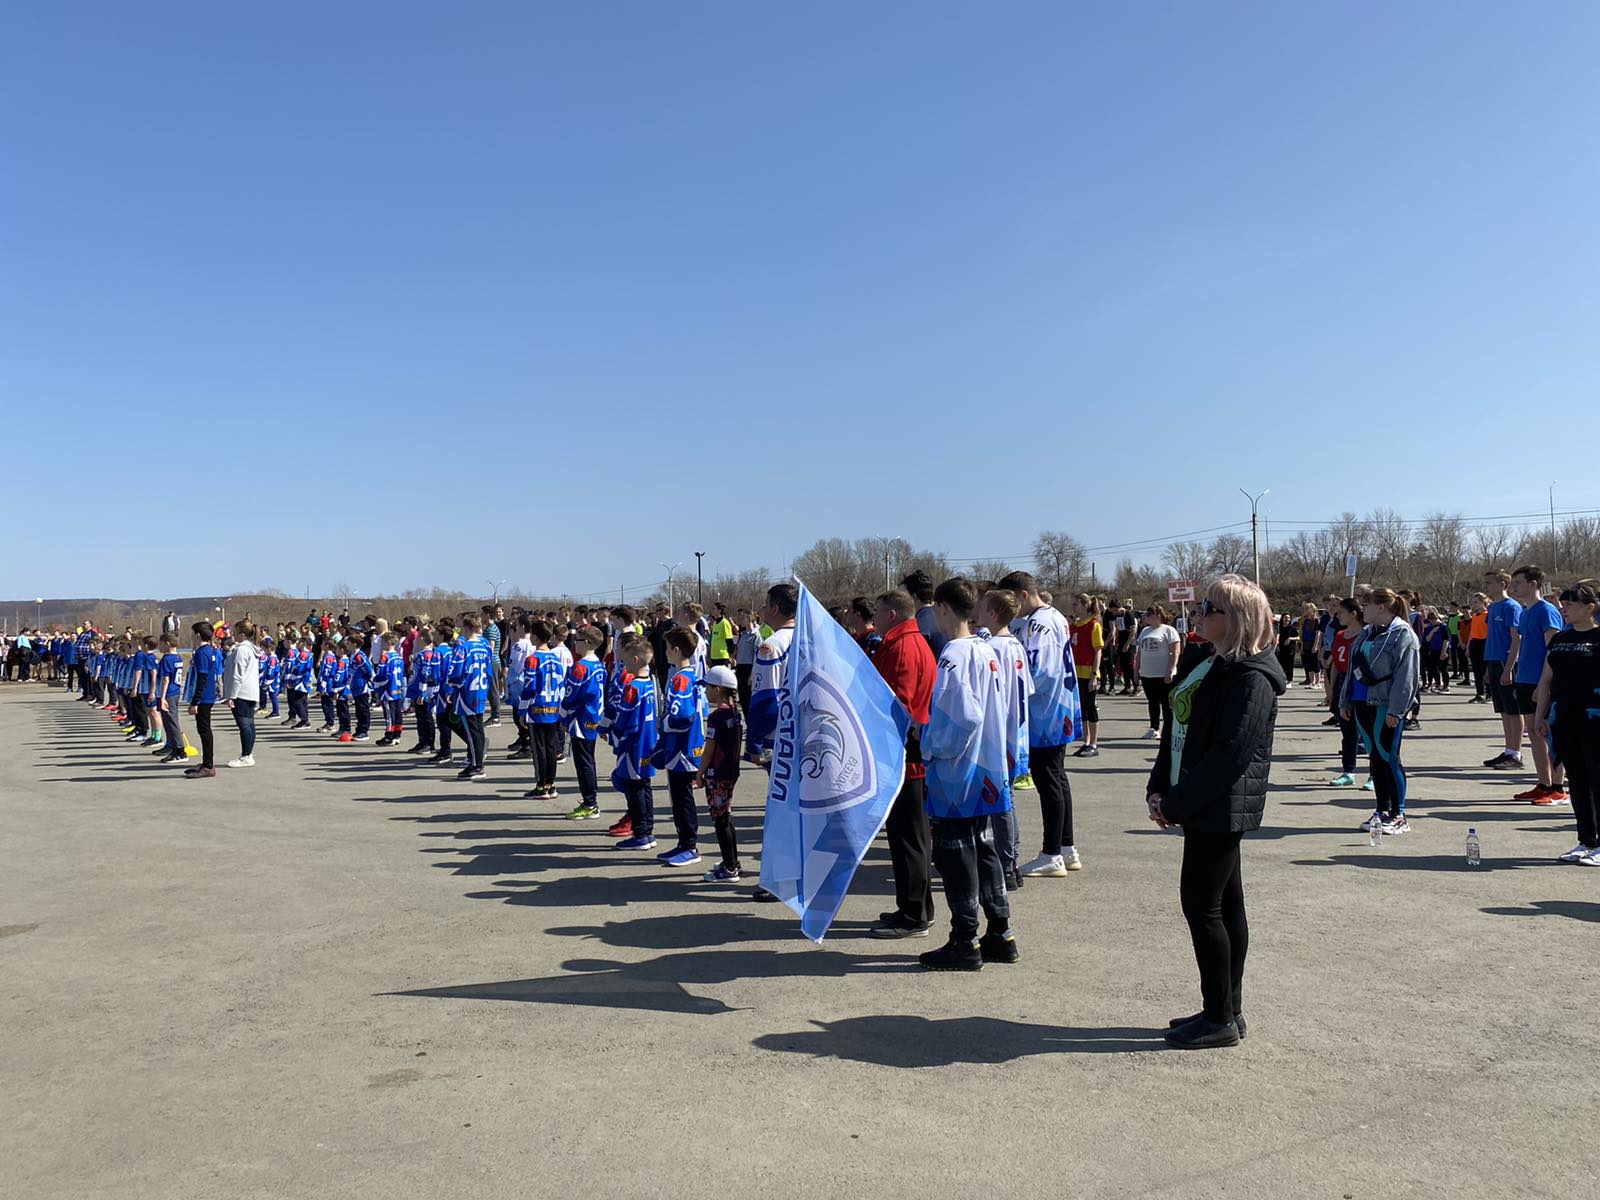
685,817
742,672
1211,890
1347,728
424,712
1578,746
342,706
911,853
1475,650
300,707
363,714
447,726
583,764
202,725
641,807
544,753
968,862
1048,765
1158,699
473,728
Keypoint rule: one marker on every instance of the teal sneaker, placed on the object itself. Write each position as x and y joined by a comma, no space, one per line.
1369,786
1345,780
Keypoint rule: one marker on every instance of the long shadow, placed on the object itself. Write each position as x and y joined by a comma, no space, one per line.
913,1041
684,931
1389,860
658,984
1576,909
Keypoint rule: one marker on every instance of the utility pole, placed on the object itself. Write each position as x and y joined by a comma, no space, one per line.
888,547
699,578
1255,544
672,602
1555,551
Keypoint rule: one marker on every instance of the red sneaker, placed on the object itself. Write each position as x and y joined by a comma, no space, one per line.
345,737
622,829
1532,793
1551,795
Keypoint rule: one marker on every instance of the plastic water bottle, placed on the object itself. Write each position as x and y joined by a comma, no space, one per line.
1377,831
1474,858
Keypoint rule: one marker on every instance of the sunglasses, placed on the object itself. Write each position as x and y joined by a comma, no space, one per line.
1207,608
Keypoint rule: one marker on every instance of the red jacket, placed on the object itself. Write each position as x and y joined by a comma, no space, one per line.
908,666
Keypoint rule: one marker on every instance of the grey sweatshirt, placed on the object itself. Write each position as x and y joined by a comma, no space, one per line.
1392,651
241,674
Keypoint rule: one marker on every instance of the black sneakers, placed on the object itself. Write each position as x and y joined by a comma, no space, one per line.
1202,1034
1504,762
1178,1022
953,956
998,948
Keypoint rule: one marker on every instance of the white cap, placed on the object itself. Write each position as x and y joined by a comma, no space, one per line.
722,677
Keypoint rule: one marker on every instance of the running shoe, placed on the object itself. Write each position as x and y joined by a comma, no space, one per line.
244,760
1577,852
722,873
584,812
622,829
1046,866
1369,786
999,948
1396,825
1070,859
1366,826
1342,781
1089,752
686,857
1532,793
1503,761
645,842
1592,859
1023,783
1549,797
1151,735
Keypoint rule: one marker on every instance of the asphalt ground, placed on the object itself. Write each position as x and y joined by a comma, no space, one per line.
345,974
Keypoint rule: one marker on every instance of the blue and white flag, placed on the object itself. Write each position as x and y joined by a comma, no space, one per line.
838,760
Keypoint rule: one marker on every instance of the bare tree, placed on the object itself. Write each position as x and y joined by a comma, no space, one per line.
1231,554
1493,546
989,569
1187,560
1058,560
1443,546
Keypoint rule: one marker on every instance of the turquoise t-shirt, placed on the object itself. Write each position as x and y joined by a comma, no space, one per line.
1182,710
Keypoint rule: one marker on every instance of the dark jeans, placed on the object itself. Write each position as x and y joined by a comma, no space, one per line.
473,728
202,725
1211,890
911,854
244,716
641,807
342,707
583,764
326,701
394,717
544,754
424,712
1158,699
1048,764
363,714
1578,746
300,707
964,851
447,728
685,816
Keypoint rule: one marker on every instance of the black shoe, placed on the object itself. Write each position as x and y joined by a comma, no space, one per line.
762,896
885,917
996,948
444,760
419,748
953,956
1413,723
1203,1035
171,758
1013,881
524,752
1504,762
1179,1022
470,773
1331,721
897,928
1089,752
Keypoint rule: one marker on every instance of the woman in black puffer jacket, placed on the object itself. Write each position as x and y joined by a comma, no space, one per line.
1210,778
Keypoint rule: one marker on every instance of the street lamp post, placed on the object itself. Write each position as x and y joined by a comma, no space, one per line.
699,578
1255,544
888,545
671,600
38,611
1555,551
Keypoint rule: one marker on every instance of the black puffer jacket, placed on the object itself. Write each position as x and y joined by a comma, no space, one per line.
1227,753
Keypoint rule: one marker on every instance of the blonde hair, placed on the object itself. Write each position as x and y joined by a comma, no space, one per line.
1249,617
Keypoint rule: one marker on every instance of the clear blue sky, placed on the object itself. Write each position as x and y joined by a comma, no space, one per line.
954,272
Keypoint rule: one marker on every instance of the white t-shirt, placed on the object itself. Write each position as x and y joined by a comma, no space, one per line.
1158,651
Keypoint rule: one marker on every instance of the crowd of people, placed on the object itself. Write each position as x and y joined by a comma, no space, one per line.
998,685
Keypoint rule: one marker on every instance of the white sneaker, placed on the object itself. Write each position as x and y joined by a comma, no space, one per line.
248,760
1070,859
1046,866
1366,826
1592,859
1577,852
1151,735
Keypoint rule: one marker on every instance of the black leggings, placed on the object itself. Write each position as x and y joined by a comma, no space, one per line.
1578,745
1089,698
202,725
544,754
1211,890
1158,699
1475,657
1347,728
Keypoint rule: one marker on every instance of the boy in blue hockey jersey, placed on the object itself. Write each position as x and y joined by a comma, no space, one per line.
420,687
968,762
205,667
361,674
632,725
326,669
472,672
169,696
581,711
682,743
446,651
299,683
339,685
271,676
543,688
146,728
390,685
996,610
